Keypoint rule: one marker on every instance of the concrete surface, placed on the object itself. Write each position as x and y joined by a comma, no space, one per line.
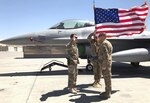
21,82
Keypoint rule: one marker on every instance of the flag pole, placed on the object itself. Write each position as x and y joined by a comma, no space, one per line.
94,9
94,15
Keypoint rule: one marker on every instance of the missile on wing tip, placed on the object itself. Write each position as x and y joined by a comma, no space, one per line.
132,55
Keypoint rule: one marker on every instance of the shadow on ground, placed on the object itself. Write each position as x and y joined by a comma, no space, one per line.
83,97
119,70
54,93
124,70
88,99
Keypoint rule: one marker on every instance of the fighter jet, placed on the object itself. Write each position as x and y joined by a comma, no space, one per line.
134,49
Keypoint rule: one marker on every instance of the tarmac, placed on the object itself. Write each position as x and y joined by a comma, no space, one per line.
22,82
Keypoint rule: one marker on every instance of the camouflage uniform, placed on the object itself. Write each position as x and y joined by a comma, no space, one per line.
94,59
73,60
105,61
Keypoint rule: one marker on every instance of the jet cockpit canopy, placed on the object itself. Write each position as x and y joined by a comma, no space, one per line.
72,24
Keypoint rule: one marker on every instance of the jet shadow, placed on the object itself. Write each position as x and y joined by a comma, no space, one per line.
124,70
119,70
44,73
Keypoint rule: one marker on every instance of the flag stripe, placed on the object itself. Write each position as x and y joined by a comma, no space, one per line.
132,19
119,31
130,22
138,9
133,13
133,16
119,26
110,33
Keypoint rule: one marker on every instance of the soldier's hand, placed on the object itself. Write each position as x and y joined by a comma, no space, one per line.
94,32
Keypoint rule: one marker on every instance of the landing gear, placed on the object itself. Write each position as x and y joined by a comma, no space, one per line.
89,66
136,64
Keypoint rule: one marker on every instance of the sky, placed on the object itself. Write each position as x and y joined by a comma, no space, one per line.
24,16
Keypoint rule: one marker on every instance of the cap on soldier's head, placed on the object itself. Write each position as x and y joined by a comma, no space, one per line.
102,34
72,35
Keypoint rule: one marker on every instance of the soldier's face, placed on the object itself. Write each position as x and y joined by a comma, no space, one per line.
102,38
75,38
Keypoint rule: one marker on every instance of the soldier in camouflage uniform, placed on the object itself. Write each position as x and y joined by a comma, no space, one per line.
105,61
94,59
73,60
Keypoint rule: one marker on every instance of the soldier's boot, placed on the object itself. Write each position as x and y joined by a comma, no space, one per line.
76,89
94,83
105,95
100,84
72,90
97,84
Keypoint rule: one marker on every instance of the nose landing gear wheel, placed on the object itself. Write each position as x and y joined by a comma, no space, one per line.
136,64
89,67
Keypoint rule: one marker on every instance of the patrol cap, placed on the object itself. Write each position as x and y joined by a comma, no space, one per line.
102,34
76,36
72,35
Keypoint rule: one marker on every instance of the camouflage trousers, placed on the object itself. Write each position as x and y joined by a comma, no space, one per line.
106,72
96,70
107,79
72,75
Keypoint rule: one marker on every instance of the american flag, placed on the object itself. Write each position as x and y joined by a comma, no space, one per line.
119,22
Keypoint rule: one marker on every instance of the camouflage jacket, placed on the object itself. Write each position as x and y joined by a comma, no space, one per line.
105,51
72,51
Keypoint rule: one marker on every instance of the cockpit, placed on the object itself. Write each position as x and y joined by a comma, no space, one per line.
72,24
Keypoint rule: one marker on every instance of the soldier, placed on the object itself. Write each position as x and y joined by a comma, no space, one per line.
73,60
105,61
94,59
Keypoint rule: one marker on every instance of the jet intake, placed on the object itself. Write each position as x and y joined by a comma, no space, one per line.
132,55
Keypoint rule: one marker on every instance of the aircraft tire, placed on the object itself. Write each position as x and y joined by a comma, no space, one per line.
89,67
136,64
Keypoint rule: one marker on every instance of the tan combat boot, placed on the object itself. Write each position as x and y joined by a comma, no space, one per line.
94,83
97,85
72,90
76,89
105,95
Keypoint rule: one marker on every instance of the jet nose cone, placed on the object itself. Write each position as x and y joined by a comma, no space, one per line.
2,42
19,40
8,41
